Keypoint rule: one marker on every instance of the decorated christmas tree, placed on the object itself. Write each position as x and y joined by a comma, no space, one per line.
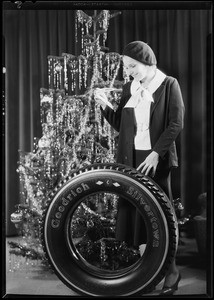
74,134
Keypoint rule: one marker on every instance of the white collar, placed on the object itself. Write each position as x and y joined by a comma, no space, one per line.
153,85
137,88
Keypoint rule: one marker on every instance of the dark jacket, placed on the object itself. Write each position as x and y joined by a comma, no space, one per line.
166,122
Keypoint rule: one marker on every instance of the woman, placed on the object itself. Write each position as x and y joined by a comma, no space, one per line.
149,118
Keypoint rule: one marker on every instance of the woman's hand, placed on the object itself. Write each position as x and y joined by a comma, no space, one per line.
100,97
149,164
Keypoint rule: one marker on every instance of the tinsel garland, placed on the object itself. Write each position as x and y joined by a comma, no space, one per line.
74,133
108,254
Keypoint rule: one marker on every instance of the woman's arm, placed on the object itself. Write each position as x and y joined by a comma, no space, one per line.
113,117
175,120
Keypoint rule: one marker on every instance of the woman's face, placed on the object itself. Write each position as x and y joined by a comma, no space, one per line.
135,68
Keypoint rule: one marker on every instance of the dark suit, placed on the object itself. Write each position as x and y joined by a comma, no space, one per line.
166,122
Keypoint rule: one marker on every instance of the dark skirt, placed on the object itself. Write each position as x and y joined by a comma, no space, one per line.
130,226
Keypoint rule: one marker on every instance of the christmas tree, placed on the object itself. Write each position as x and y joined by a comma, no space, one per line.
74,134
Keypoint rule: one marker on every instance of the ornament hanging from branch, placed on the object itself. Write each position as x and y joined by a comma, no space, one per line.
74,132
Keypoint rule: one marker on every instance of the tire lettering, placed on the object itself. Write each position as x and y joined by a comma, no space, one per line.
65,201
136,195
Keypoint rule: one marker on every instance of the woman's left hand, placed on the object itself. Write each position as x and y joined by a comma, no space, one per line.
149,165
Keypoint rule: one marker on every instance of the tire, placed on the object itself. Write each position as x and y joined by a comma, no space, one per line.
155,208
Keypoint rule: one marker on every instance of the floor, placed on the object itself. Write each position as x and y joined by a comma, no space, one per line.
30,279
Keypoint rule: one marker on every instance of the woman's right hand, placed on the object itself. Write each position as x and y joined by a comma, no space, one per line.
149,164
100,97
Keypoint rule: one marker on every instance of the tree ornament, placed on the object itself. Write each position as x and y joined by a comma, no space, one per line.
74,135
16,217
44,142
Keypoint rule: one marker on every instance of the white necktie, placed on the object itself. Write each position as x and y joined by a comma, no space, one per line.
140,94
137,89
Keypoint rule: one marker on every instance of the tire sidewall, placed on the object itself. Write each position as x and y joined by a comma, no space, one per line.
61,252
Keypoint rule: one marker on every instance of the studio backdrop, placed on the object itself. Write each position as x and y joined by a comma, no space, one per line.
181,40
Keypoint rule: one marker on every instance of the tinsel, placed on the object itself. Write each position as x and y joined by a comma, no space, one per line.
74,134
93,232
